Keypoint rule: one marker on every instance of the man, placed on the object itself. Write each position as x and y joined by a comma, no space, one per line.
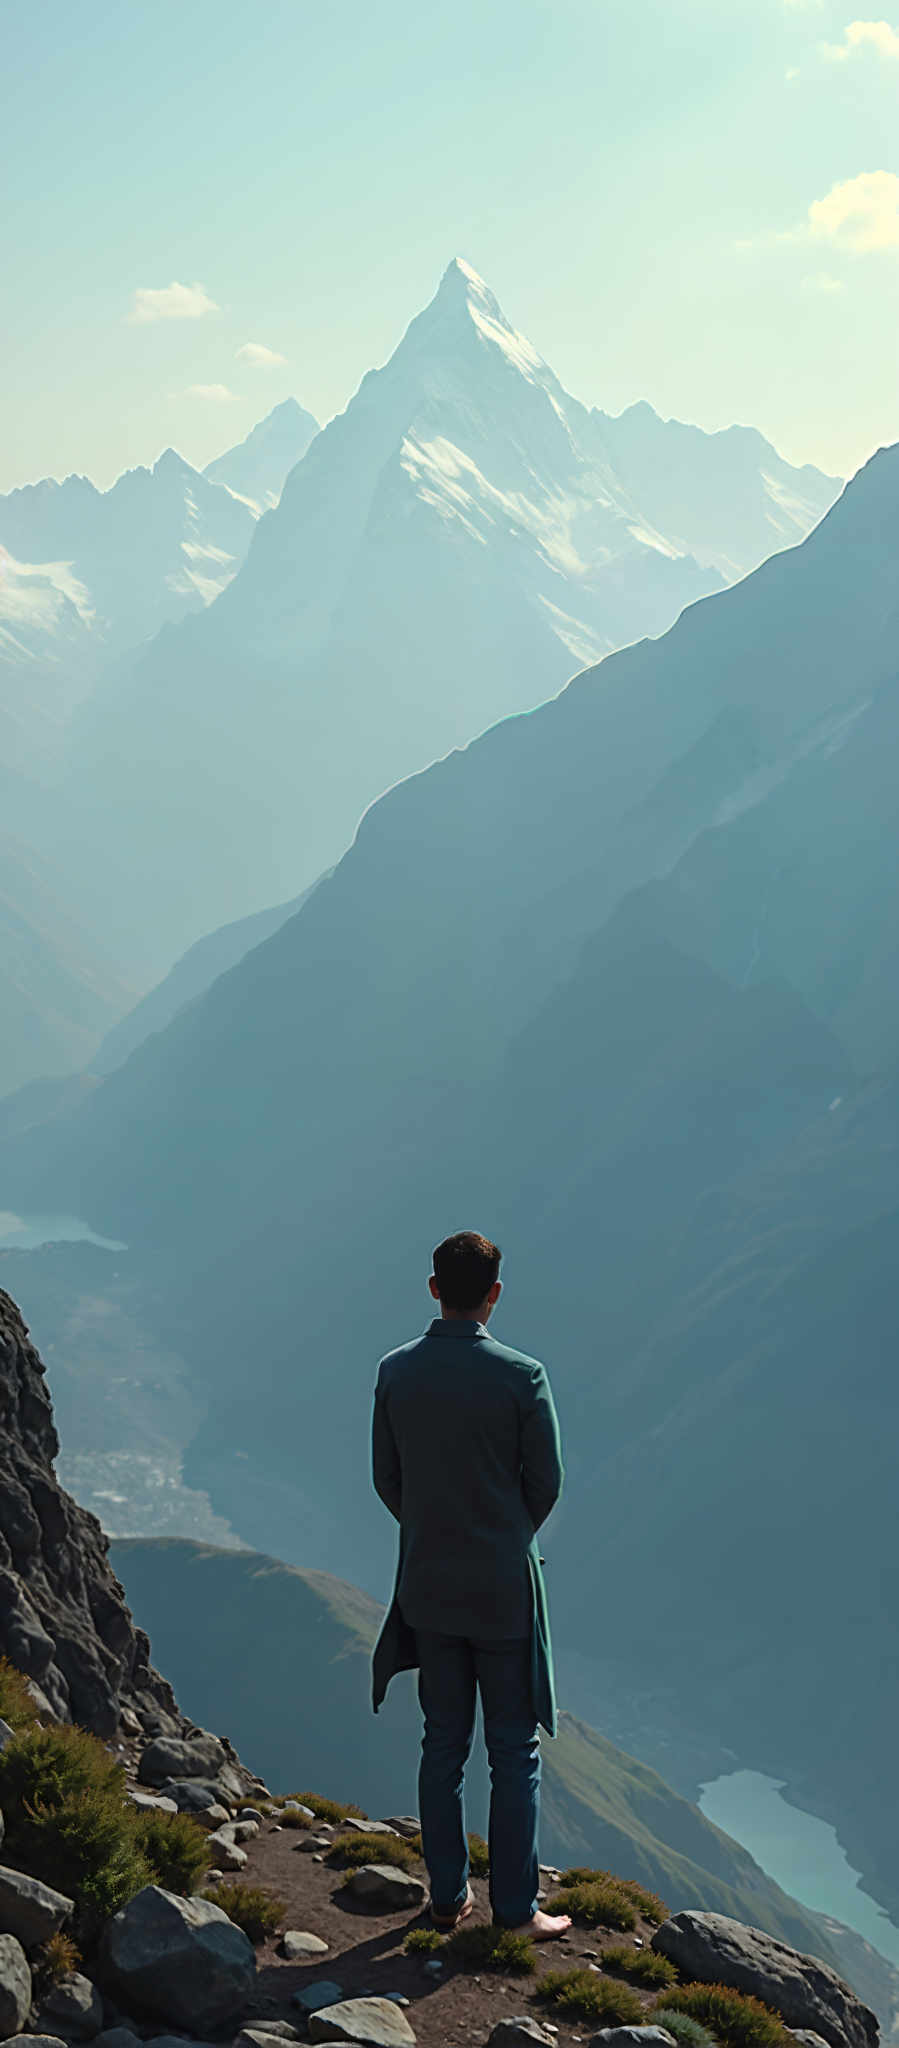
466,1455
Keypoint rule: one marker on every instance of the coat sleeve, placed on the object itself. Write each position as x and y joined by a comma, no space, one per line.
385,1458
542,1470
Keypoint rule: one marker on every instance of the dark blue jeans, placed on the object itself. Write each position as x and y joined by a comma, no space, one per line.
451,1668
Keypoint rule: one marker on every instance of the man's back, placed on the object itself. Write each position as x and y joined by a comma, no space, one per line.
466,1456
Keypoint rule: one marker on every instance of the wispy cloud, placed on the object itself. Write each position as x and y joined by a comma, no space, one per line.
822,281
171,302
860,213
258,356
877,35
218,394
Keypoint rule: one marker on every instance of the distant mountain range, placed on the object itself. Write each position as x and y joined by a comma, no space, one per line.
257,467
618,983
447,551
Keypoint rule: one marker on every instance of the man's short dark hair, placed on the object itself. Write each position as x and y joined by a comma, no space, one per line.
465,1268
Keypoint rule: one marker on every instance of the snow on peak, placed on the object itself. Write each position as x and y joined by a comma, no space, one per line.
461,285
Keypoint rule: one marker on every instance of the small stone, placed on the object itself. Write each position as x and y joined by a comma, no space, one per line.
520,2031
30,1910
396,1997
365,2022
406,1824
15,1986
435,1966
261,2033
314,1997
309,1843
368,1827
253,1813
631,2037
379,1885
298,1947
244,1830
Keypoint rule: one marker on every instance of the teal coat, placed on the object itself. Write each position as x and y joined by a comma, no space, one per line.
466,1455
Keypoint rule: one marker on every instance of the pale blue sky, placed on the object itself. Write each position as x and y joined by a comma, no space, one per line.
634,178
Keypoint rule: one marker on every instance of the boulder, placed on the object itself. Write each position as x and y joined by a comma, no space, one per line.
195,1795
224,1854
151,1802
631,2037
15,1986
177,1756
182,1959
73,2007
312,1997
713,1949
367,2022
36,2041
297,1947
309,1845
261,2031
385,1889
116,2037
244,1830
520,2031
30,1910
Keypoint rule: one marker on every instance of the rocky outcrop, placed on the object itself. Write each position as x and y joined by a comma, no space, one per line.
716,1950
63,1617
182,1959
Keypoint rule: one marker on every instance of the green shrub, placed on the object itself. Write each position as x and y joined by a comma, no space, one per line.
493,1948
16,1705
589,1996
69,1823
595,1901
423,1941
640,1964
478,1856
648,1903
736,2020
328,1809
175,1848
687,2032
257,1911
356,1849
290,1818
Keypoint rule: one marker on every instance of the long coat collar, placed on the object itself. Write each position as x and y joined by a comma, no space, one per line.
456,1326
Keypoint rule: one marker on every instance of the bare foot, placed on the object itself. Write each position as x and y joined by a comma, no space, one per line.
546,1926
445,1923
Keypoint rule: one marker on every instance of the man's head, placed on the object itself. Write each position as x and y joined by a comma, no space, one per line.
465,1279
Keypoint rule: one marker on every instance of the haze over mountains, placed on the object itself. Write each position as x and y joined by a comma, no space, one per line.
617,982
448,550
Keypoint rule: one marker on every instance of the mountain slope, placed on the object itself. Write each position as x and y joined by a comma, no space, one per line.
256,467
447,551
216,1618
57,991
551,989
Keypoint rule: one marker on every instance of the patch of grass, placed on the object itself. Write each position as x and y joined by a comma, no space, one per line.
423,1941
16,1705
687,2032
478,1856
251,1907
68,1822
356,1849
328,1809
175,1848
646,1903
290,1818
642,1965
58,1958
736,2020
595,1901
587,1996
493,1948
